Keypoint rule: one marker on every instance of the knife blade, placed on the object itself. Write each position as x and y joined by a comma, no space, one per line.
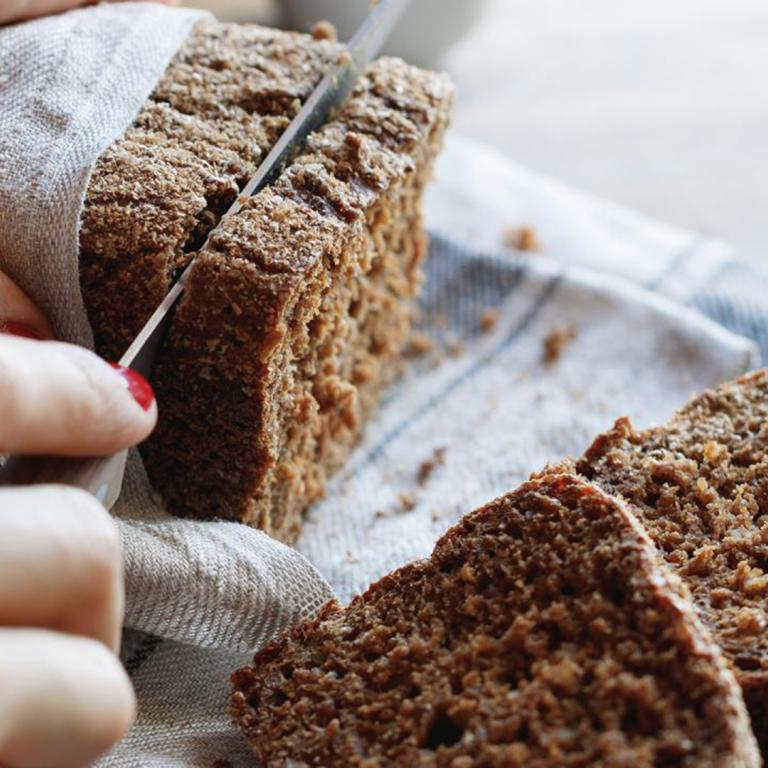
103,476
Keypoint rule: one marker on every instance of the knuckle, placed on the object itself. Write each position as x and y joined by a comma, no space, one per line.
9,373
117,694
104,400
93,720
99,536
95,396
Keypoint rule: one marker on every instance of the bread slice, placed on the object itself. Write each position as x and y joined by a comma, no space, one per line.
542,631
222,103
699,485
293,321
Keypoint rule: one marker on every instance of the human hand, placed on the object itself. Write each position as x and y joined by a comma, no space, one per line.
18,10
64,697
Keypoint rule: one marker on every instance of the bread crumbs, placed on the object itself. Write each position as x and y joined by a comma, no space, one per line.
489,318
428,466
324,30
521,239
418,345
555,343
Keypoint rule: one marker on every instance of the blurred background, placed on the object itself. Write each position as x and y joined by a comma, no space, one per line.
661,106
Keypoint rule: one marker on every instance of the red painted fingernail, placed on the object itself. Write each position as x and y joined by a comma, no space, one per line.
137,385
20,329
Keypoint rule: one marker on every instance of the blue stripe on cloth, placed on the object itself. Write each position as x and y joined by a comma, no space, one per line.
545,295
736,297
148,645
675,263
460,282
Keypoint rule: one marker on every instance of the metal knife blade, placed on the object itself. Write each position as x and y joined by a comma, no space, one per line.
103,476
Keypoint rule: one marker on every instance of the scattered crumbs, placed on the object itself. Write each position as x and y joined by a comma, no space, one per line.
454,347
418,345
428,466
351,559
381,514
324,30
521,238
488,318
435,515
407,501
555,343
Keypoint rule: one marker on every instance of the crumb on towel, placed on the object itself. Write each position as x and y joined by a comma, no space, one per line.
428,466
555,343
521,238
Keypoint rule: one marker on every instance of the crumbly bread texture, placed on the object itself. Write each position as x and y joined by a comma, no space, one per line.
294,319
699,485
223,102
542,631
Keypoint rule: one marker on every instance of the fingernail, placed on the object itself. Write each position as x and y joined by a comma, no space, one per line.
137,385
20,329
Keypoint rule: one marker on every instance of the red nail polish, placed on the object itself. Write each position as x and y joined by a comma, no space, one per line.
137,385
20,329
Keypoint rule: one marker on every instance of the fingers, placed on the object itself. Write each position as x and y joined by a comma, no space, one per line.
18,313
65,700
60,563
64,400
17,10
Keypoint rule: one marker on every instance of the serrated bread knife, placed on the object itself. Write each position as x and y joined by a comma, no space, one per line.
103,476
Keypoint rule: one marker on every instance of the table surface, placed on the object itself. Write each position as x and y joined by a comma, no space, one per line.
660,106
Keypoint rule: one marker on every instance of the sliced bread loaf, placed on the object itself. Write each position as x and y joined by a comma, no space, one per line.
542,631
699,485
294,319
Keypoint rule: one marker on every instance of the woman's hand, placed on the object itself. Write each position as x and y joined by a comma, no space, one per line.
17,10
64,697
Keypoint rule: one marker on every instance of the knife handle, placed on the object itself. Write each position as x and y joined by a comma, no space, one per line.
101,476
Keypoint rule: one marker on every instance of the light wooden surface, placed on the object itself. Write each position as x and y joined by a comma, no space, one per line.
662,106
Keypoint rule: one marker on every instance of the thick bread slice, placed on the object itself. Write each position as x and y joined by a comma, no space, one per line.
294,319
222,103
542,631
699,485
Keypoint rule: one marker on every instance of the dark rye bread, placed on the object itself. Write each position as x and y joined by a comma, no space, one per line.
542,631
222,103
294,319
699,485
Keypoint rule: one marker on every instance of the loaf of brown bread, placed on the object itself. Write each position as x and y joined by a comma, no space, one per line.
543,631
294,319
223,102
699,485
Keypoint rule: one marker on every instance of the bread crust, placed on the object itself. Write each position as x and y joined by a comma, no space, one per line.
542,631
699,485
